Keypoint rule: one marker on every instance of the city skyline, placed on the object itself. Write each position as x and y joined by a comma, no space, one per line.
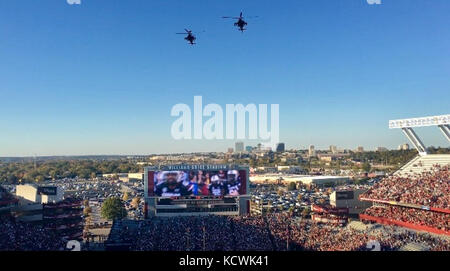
100,78
248,148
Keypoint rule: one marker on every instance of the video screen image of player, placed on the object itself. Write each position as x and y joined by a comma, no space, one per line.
199,183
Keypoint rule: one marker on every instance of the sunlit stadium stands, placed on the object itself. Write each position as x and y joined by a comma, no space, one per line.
417,196
423,163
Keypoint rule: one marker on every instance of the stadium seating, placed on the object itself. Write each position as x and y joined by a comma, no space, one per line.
17,236
417,196
273,232
428,189
412,218
423,163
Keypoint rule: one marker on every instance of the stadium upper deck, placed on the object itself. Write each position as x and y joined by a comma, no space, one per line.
423,163
417,196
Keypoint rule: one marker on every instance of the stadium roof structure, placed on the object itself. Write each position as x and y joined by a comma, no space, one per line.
407,125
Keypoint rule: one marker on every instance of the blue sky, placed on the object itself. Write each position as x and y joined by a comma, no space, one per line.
102,77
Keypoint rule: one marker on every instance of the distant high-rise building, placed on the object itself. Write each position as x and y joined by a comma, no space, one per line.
239,146
248,148
280,147
230,150
381,149
403,147
311,151
333,149
360,149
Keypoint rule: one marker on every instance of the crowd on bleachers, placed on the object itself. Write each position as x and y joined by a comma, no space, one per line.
430,188
208,233
251,233
17,236
274,232
321,237
410,215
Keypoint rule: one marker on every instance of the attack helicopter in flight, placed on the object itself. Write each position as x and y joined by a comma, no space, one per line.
240,23
190,37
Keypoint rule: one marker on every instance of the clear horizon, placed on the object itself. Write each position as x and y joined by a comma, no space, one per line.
224,151
100,78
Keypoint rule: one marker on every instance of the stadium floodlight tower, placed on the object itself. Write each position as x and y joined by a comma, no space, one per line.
442,121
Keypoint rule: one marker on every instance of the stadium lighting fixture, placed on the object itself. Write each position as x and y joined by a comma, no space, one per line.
442,121
420,122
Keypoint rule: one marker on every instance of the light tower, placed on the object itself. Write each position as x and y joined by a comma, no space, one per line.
442,121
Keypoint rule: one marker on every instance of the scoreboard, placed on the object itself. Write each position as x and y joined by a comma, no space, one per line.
201,189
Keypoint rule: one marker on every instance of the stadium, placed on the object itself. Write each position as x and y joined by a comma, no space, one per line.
206,207
416,197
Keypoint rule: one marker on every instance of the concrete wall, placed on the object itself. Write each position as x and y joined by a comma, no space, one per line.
28,192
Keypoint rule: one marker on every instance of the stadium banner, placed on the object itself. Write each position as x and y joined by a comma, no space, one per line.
374,200
408,205
179,181
440,210
327,219
329,210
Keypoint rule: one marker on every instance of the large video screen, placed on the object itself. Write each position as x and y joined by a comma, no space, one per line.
185,183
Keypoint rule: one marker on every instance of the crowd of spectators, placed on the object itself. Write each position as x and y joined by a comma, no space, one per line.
430,188
251,233
221,233
274,232
18,236
208,233
303,235
426,218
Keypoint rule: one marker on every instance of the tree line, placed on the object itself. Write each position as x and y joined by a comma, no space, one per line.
13,173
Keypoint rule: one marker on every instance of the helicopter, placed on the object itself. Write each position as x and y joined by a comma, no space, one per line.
190,37
240,23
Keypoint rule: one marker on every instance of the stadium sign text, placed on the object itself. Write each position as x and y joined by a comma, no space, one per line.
213,128
196,167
